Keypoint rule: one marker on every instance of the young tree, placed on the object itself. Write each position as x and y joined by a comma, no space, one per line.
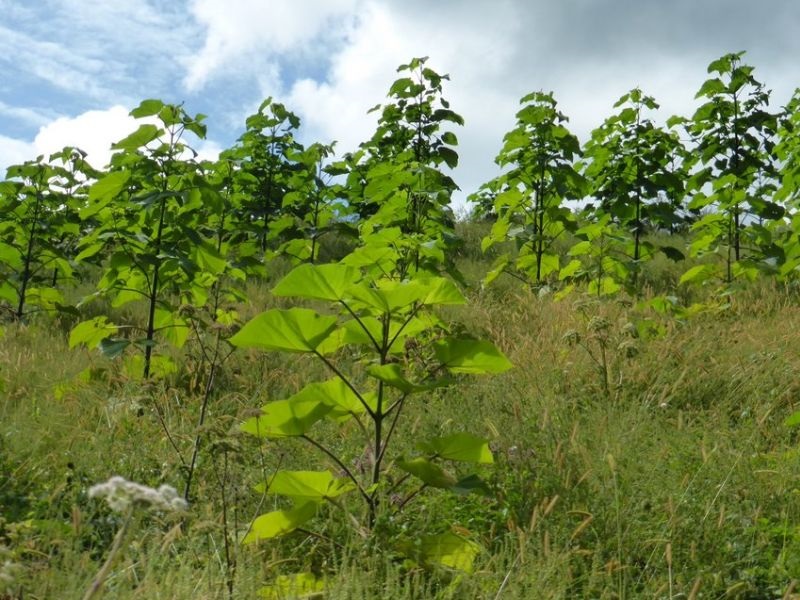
733,133
152,207
631,166
528,199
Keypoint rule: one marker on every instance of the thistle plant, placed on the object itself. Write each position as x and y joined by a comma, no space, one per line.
129,499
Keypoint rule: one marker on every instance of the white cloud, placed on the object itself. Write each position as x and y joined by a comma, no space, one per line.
14,152
248,34
93,132
474,48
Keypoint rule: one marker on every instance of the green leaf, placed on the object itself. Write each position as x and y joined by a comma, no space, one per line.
298,586
449,550
460,446
208,258
392,374
91,333
280,522
430,473
672,253
141,137
112,348
292,330
9,293
307,486
147,108
570,270
334,393
103,191
470,356
172,327
287,418
792,420
471,484
697,273
318,282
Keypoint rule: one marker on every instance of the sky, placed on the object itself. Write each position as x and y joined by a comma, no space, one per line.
71,70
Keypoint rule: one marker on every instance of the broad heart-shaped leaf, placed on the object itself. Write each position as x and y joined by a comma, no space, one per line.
391,296
141,137
292,330
286,418
431,474
91,333
298,586
318,282
104,191
147,108
335,394
470,356
113,348
279,522
449,550
306,486
792,420
8,293
698,273
392,374
471,484
460,446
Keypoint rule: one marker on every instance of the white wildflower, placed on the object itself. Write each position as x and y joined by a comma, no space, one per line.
9,571
121,494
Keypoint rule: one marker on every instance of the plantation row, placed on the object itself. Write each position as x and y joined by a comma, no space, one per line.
181,237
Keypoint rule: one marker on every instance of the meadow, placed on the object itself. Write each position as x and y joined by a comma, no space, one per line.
294,374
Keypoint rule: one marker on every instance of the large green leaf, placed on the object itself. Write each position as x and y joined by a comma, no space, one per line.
292,330
286,418
391,296
392,374
430,473
334,393
449,550
307,486
698,273
90,333
280,522
319,282
104,191
470,356
147,108
141,137
460,446
299,586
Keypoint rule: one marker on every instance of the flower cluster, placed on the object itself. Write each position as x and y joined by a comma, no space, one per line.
121,494
8,571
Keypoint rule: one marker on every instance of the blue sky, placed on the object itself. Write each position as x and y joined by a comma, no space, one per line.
72,69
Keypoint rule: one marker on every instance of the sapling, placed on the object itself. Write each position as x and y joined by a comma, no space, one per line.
131,500
732,131
528,199
383,346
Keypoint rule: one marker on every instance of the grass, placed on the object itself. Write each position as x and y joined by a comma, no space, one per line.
663,471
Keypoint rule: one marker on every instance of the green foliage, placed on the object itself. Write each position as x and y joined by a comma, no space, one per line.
528,200
599,461
40,229
155,214
266,159
732,131
384,347
634,170
395,181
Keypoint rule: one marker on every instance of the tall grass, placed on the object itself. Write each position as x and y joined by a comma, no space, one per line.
666,473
